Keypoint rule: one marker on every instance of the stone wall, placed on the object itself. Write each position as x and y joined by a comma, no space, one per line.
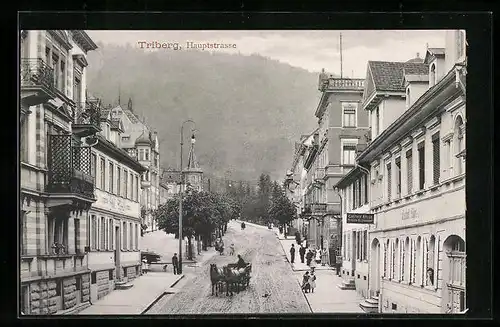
69,287
102,278
85,288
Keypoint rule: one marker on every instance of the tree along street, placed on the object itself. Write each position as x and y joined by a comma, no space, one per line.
273,287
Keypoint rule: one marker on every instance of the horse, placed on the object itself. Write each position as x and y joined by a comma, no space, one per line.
217,278
235,278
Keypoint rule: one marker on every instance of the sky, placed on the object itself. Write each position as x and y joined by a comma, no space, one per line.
311,50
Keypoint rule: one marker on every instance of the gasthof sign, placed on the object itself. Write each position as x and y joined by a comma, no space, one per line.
360,218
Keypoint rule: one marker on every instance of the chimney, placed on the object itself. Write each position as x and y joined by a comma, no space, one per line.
418,55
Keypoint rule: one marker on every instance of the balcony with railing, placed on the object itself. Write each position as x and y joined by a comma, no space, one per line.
329,82
69,168
86,120
37,82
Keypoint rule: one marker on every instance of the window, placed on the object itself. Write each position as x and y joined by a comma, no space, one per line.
136,188
365,244
432,75
389,181
131,234
24,139
413,259
436,169
417,278
458,141
103,235
141,154
63,75
118,181
404,258
146,155
354,195
93,243
77,88
58,235
103,174
155,156
398,177
421,166
363,190
124,240
395,259
349,154
77,235
110,231
24,234
349,114
408,103
431,271
111,189
125,184
93,165
377,121
136,236
386,249
409,170
358,181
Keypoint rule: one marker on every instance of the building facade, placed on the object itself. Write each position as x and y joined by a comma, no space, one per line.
57,125
114,221
141,142
354,191
342,125
417,183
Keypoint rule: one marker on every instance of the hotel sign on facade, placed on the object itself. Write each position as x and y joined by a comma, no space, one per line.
116,204
360,218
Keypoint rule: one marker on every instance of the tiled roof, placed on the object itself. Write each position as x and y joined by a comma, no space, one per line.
388,76
133,118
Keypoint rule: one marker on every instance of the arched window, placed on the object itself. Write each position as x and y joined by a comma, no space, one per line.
408,97
405,260
430,263
395,265
417,264
386,248
432,75
459,145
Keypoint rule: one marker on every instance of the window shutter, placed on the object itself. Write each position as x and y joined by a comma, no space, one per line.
436,261
389,181
436,159
409,167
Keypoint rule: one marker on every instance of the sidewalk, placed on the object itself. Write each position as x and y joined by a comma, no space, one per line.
297,265
328,298
133,301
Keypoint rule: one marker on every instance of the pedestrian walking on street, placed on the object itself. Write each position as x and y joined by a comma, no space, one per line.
231,249
306,287
175,264
309,257
292,254
312,281
324,257
302,253
317,255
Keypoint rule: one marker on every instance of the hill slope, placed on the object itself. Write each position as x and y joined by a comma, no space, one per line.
249,110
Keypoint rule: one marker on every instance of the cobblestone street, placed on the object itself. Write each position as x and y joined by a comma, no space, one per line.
273,286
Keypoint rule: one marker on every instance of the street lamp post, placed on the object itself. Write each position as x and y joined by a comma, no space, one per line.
180,196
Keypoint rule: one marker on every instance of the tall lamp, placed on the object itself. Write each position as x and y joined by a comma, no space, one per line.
180,191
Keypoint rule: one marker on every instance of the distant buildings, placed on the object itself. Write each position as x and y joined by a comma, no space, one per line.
141,142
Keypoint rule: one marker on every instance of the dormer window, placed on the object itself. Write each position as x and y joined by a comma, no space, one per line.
408,97
432,75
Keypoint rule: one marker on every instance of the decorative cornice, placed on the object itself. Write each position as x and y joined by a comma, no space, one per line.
418,133
433,123
80,59
447,137
61,37
407,141
386,156
396,149
83,40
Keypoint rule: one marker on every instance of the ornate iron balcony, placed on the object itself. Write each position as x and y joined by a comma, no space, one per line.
69,167
35,72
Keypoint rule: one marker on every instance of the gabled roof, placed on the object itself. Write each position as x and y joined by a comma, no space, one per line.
434,53
388,76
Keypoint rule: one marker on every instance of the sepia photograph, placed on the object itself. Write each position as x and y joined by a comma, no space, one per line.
202,172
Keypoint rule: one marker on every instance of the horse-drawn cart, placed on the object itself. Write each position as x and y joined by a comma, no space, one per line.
231,277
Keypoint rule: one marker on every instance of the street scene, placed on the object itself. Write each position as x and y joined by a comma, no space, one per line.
242,172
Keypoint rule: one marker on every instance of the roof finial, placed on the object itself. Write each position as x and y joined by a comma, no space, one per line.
418,54
427,46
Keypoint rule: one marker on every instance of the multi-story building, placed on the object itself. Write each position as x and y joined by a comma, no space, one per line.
417,181
114,221
341,126
295,181
141,142
57,130
169,184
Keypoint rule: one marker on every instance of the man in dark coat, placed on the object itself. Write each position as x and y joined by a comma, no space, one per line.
292,254
241,263
309,257
175,264
302,253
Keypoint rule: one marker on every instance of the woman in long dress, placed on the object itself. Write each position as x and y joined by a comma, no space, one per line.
312,281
